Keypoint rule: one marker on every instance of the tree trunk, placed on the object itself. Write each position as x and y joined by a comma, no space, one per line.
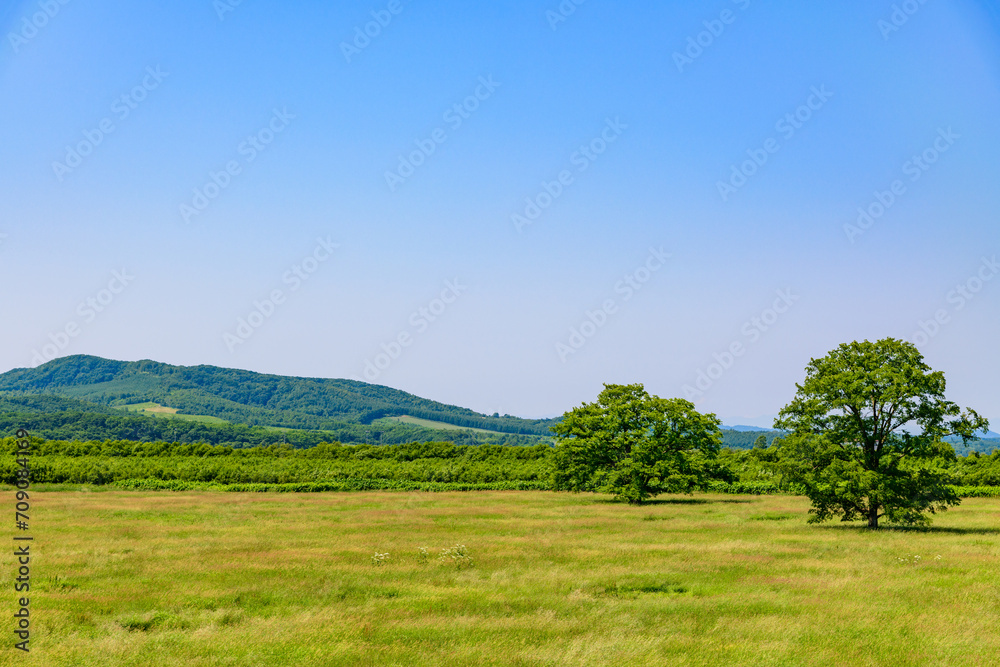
873,517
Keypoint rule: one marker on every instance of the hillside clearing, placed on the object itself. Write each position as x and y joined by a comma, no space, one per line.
430,423
158,410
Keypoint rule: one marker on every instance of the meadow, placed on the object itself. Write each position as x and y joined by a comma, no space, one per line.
157,410
431,423
210,578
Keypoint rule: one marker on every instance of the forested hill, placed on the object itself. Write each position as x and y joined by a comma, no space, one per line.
245,397
81,398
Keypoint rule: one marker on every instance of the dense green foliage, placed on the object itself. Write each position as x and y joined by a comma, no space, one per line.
764,467
70,419
244,397
840,434
115,460
414,466
848,449
362,484
634,445
980,446
746,439
76,398
59,418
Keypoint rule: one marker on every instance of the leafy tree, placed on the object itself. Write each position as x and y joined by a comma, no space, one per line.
634,445
867,429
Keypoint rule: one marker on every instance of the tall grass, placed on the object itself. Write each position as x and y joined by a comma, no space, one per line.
203,578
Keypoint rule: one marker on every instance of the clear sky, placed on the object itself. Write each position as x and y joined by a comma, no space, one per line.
504,205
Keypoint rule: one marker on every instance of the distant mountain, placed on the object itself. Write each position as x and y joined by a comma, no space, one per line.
57,418
245,397
761,422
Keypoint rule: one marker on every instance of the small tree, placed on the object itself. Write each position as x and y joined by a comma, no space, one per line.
867,429
634,445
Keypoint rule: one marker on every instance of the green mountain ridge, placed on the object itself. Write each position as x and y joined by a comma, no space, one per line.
246,397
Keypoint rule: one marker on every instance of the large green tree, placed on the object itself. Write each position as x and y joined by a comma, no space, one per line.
634,445
867,428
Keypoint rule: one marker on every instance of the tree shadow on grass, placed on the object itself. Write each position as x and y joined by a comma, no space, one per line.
676,501
946,530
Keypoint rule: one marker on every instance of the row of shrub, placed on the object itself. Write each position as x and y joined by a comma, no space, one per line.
324,451
977,491
410,466
747,488
366,484
96,470
769,488
341,485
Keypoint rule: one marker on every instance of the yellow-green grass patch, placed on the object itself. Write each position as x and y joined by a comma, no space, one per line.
430,423
158,410
203,578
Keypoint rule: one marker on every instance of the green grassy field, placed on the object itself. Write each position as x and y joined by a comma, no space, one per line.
202,578
158,410
147,406
430,423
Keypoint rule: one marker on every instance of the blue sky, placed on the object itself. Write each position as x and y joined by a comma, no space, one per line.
637,267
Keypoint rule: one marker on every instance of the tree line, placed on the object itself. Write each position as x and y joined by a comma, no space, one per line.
114,461
865,438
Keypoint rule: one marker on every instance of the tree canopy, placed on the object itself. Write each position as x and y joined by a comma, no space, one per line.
867,428
634,445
